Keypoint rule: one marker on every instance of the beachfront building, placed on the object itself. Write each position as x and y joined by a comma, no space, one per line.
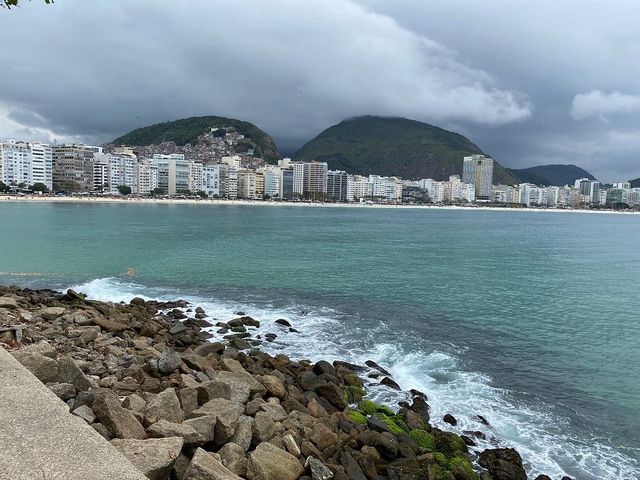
173,173
195,176
310,179
41,164
211,179
147,177
113,170
362,188
337,185
589,189
25,164
478,170
247,184
73,167
286,183
271,176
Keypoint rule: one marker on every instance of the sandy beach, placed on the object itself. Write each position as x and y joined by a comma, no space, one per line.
220,202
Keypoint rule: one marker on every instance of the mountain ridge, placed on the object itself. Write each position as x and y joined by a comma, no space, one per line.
394,146
553,174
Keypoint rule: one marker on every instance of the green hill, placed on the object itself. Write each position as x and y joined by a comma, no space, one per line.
552,174
394,147
186,130
635,183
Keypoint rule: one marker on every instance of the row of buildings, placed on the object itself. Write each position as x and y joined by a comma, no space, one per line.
83,168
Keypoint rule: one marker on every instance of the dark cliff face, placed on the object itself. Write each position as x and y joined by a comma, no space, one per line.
394,147
187,130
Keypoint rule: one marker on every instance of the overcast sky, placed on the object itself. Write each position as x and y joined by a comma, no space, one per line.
530,82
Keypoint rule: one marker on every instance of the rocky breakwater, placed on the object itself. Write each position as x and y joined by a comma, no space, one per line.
146,377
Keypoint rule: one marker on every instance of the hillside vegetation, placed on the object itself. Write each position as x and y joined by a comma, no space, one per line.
552,174
187,130
394,146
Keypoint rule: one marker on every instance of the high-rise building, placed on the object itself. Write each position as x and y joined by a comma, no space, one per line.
16,160
478,170
247,184
314,183
173,173
211,179
147,177
286,183
41,164
337,181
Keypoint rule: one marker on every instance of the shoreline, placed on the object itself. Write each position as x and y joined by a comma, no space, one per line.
266,203
176,379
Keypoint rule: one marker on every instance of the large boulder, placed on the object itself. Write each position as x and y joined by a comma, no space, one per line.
69,372
163,406
51,313
8,303
237,378
227,414
322,436
121,422
44,368
503,464
235,389
187,432
205,426
233,458
154,457
268,462
169,361
204,466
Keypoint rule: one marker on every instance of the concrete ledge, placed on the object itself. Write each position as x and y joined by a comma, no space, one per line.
41,440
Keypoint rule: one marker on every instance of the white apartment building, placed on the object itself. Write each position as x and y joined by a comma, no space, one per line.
42,164
195,176
173,173
211,179
26,163
121,169
233,161
272,176
298,177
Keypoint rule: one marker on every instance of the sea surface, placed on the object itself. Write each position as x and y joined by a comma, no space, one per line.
531,320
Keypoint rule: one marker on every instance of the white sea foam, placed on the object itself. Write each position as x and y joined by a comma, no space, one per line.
542,437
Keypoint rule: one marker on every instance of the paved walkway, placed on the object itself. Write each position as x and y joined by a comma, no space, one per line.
41,440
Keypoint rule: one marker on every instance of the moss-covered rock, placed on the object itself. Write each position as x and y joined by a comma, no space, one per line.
368,407
449,443
357,417
423,438
461,467
354,394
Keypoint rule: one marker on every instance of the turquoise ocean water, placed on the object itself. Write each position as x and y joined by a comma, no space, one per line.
529,319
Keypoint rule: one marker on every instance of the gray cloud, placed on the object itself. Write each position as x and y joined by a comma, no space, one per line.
597,103
505,76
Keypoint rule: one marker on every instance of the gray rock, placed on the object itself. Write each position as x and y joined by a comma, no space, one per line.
275,411
136,404
42,347
44,368
85,413
243,433
240,378
204,425
263,427
64,391
188,398
169,361
233,458
163,406
69,372
268,462
154,457
121,422
291,445
319,471
204,466
230,388
188,433
51,313
8,303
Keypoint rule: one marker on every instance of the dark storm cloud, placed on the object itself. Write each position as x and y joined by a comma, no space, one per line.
530,85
